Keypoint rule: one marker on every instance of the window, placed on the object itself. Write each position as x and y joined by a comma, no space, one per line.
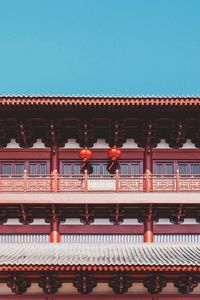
189,168
37,168
100,167
195,168
18,167
131,167
6,169
184,168
70,168
164,168
170,167
11,168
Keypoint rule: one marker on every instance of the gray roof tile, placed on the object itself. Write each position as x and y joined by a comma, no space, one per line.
115,254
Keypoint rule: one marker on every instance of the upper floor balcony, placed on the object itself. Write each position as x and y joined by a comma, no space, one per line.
100,183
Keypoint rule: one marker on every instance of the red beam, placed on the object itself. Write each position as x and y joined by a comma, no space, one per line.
100,229
175,154
100,198
6,153
104,296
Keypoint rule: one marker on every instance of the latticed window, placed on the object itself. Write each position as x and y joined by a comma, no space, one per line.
195,168
70,168
189,168
100,167
17,168
131,168
38,168
166,167
12,168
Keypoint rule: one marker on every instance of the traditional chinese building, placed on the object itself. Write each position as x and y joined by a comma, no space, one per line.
99,197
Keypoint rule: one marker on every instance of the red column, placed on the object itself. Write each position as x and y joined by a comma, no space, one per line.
148,228
148,165
54,230
54,159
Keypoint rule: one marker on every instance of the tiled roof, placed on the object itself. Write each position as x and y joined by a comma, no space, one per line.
93,256
98,101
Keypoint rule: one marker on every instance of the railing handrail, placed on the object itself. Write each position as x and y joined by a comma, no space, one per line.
56,182
91,175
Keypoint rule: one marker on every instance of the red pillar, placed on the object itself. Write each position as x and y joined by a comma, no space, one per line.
54,159
148,228
148,165
54,230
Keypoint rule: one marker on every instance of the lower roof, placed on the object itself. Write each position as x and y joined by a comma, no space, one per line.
95,256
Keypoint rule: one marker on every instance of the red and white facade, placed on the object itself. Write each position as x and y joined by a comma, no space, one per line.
119,175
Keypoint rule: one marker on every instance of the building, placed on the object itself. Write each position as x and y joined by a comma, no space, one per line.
100,197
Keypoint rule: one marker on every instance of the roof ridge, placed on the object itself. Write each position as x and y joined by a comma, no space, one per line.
97,96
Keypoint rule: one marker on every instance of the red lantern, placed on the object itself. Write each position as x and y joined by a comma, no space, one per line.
114,153
85,154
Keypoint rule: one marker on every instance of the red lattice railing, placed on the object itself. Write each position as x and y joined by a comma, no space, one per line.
102,183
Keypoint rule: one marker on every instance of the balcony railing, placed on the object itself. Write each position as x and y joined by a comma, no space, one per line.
100,183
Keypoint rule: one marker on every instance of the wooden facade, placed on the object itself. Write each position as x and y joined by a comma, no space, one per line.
154,176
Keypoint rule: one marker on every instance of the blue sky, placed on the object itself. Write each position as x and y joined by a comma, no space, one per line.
92,47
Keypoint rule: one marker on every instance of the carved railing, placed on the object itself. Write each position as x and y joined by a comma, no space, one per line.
100,183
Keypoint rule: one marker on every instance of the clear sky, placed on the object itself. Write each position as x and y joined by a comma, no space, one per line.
92,47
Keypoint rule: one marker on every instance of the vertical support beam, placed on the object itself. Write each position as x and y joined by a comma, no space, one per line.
177,181
54,168
54,229
55,181
148,227
148,168
148,165
86,181
117,180
147,182
54,159
25,181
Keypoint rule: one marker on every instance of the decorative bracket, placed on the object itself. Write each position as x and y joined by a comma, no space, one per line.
155,284
84,284
187,284
86,215
50,284
18,284
120,284
117,215
177,215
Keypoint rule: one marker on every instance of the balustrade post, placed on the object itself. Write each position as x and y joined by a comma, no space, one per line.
55,180
86,181
25,181
148,181
177,181
117,181
148,167
54,167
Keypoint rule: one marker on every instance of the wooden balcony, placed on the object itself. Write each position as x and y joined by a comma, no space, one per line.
55,183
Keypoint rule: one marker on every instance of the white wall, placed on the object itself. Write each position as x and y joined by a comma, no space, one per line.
101,144
14,145
187,145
